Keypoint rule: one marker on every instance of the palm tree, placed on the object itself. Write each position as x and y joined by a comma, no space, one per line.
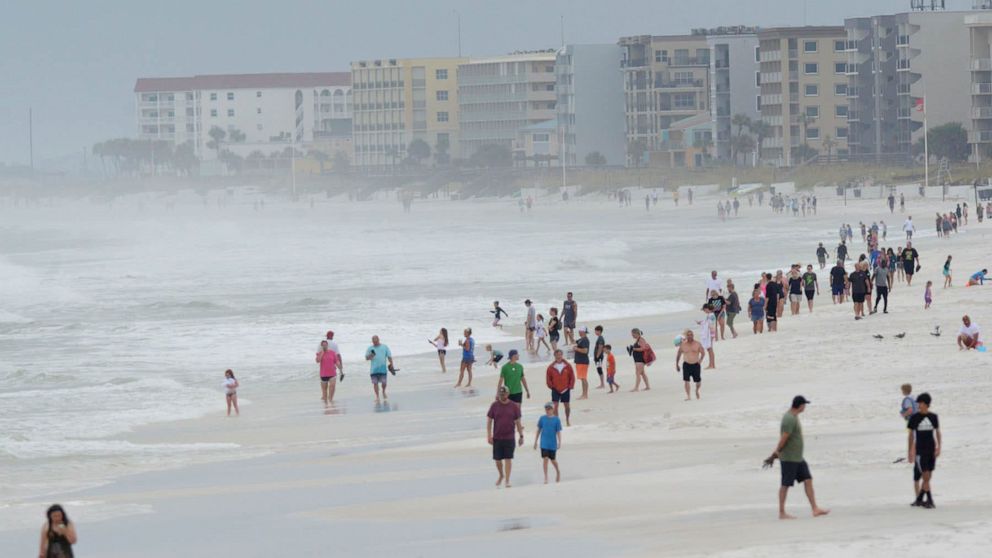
741,121
761,130
805,120
828,143
217,135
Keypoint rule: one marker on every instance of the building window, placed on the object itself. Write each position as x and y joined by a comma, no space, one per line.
213,113
258,94
442,116
441,95
230,112
441,73
213,96
840,67
812,111
757,54
809,46
542,138
683,78
758,103
841,133
812,133
840,111
811,68
840,89
757,79
230,95
189,96
684,101
839,45
812,90
258,110
661,56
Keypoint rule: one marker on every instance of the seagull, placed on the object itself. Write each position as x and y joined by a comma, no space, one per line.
936,331
900,335
877,336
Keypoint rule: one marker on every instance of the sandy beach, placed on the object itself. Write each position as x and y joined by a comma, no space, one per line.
644,474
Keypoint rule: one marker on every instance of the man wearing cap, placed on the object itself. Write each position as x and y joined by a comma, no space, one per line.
530,325
512,377
582,361
561,380
790,452
504,416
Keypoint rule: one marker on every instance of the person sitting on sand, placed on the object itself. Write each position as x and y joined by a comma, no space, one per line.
789,452
977,278
968,334
691,354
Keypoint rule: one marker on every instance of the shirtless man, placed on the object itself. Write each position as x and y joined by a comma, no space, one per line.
691,354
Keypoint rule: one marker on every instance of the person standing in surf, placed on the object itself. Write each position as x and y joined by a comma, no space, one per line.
569,316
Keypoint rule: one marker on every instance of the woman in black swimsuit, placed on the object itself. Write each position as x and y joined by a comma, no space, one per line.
58,535
554,329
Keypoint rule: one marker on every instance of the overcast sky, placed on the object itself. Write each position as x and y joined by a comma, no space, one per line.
75,61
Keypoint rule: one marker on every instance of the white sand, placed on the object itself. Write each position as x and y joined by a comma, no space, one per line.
644,474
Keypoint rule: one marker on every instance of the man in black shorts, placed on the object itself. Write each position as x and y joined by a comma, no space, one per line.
910,262
821,255
838,278
860,285
504,416
810,286
924,449
790,452
773,292
692,352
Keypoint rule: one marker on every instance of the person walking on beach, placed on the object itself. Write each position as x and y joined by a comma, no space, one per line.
691,354
560,379
707,333
713,284
554,329
598,354
329,359
381,364
881,278
968,335
773,293
582,351
512,376
821,256
642,354
719,306
231,392
733,306
860,287
504,417
811,286
468,358
58,534
441,345
838,279
756,310
789,452
569,315
910,262
611,368
908,227
842,251
928,295
924,449
795,290
530,324
549,435
947,272
541,336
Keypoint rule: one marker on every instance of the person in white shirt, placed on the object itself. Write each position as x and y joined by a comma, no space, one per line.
908,227
713,284
968,334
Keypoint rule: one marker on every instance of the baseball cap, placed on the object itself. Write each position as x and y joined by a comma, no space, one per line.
512,353
583,329
330,334
503,389
799,401
549,405
527,301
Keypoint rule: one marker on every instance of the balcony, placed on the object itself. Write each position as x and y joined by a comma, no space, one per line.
771,55
980,136
981,113
981,65
773,120
634,63
679,109
902,41
903,89
981,88
680,61
772,77
793,53
773,142
793,75
771,99
682,84
903,66
793,97
905,113
853,116
722,64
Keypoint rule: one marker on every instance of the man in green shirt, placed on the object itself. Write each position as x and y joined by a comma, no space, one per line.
512,376
790,452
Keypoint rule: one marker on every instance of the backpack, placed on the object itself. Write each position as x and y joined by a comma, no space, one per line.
649,356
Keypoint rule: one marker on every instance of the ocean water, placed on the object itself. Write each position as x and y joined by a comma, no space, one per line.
123,313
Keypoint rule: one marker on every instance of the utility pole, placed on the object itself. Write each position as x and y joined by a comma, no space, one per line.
458,16
31,135
562,31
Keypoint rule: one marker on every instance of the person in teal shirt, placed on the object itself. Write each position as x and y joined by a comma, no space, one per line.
380,364
549,435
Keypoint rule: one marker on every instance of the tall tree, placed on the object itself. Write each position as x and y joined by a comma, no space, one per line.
418,150
947,140
742,121
217,135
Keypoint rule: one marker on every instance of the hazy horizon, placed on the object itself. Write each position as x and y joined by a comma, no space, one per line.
76,64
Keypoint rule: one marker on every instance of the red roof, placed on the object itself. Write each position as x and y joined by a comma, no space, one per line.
243,81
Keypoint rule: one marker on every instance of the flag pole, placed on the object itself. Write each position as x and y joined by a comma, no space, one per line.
926,145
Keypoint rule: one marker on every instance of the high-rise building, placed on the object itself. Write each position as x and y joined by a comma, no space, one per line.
803,93
893,61
270,110
398,101
499,96
666,79
591,103
735,82
980,36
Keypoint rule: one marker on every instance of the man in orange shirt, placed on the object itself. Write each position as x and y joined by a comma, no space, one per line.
561,380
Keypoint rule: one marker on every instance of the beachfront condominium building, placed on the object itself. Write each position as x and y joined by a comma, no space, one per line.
735,82
398,101
893,61
590,103
258,112
803,93
980,38
499,96
665,79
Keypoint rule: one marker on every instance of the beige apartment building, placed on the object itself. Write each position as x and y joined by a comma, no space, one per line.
397,101
803,92
980,39
666,79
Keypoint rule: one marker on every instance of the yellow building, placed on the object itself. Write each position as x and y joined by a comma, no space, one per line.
398,101
803,93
